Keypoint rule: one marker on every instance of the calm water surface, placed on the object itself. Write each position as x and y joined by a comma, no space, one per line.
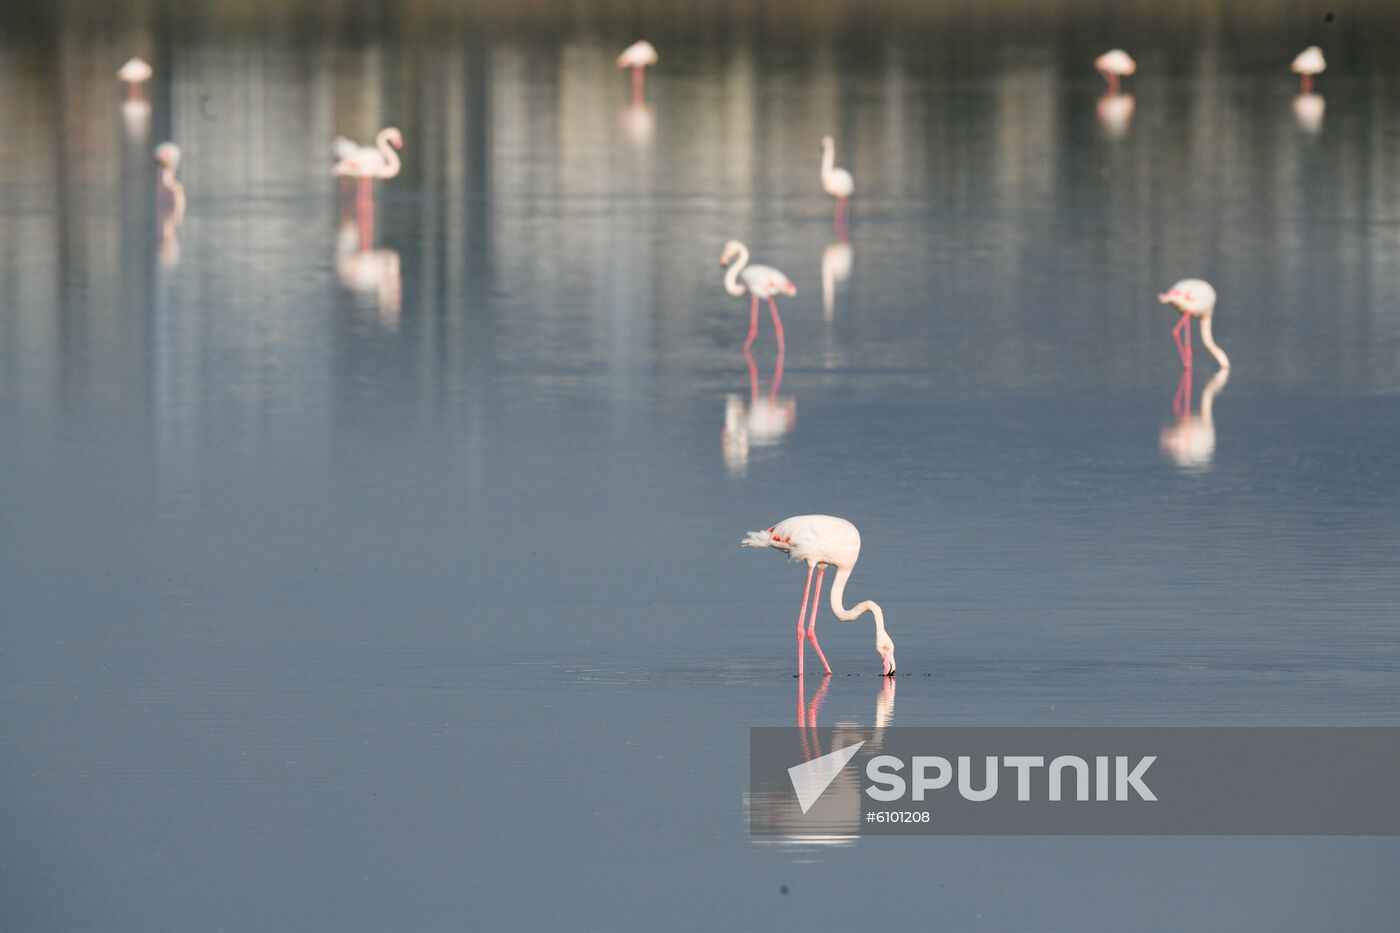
400,589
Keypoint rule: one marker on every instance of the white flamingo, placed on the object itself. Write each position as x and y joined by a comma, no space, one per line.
367,163
758,281
1114,65
837,183
638,56
135,73
1194,298
821,541
1307,65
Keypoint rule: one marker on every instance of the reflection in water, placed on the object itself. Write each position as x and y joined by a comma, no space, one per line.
136,118
373,274
842,817
1190,442
762,422
836,269
1115,113
638,123
1309,110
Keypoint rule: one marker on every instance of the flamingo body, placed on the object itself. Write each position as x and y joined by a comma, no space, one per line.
377,161
637,55
822,541
1309,64
1114,65
135,71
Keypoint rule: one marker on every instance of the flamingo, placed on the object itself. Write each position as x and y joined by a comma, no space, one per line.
1308,63
638,56
758,281
1113,65
837,183
1194,298
135,73
822,541
366,164
167,156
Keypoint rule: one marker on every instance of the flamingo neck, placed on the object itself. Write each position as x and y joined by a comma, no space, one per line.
1209,340
731,278
838,592
391,157
1212,389
828,161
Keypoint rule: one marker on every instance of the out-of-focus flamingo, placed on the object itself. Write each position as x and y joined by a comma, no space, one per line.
758,281
1190,442
1115,112
1114,65
838,184
170,191
1307,65
638,56
821,541
1308,109
836,268
367,163
761,422
1194,298
134,73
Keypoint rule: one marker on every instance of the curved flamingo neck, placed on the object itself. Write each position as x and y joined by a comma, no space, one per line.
1208,339
828,161
731,278
391,157
838,592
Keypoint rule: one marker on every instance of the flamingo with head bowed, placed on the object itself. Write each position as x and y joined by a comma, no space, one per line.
367,163
1194,298
1308,64
837,183
821,541
758,281
135,73
638,56
1114,65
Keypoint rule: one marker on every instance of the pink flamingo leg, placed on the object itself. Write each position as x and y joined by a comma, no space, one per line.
806,592
777,323
638,85
812,623
777,376
1112,85
1307,84
1186,339
1183,348
1181,404
753,324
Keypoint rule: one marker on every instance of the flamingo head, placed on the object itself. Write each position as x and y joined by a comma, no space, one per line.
1190,296
394,137
731,249
827,143
168,155
789,288
885,645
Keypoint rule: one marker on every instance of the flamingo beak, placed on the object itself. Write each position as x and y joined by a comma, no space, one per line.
1166,298
888,659
792,289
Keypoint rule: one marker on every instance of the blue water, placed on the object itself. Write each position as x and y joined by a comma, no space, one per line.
402,589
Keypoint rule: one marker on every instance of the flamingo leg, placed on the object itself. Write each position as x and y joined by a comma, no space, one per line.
1112,85
1186,339
777,323
1183,349
1180,402
638,85
1307,84
806,592
753,324
777,375
812,622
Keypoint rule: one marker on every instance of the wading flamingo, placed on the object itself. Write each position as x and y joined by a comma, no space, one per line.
822,541
837,183
1308,63
638,56
366,164
171,190
1194,298
1114,65
135,73
758,281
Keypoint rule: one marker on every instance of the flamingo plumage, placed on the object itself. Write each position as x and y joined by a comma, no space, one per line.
1309,63
760,282
1194,298
1114,65
838,184
639,56
822,541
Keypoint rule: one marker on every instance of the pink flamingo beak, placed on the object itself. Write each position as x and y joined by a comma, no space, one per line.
792,289
1166,297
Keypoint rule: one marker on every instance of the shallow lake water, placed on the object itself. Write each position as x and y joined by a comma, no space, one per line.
400,588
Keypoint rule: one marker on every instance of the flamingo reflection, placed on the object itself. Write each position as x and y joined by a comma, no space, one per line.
170,204
1115,112
372,274
1308,109
836,269
764,421
1190,442
638,123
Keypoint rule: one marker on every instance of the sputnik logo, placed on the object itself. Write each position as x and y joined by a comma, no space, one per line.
811,778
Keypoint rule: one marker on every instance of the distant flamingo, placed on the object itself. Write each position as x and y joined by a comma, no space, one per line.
168,158
1194,298
837,183
638,56
1114,65
1308,64
758,281
822,541
366,164
135,73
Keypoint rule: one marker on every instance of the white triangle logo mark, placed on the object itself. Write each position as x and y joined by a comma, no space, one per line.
811,778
